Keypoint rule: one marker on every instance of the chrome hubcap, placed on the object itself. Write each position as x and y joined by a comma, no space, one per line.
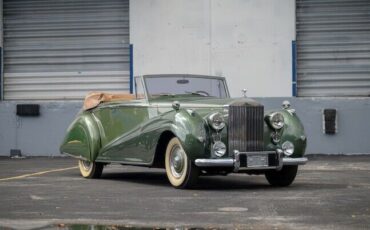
177,161
86,165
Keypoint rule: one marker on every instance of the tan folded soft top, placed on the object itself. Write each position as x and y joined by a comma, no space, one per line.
93,99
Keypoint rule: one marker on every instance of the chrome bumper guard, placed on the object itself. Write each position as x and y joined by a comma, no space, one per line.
235,162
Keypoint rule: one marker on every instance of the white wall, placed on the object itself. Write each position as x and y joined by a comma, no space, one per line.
247,41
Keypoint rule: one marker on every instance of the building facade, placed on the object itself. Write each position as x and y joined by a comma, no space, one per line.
316,54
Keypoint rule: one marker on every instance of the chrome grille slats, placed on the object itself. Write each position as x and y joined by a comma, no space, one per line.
245,130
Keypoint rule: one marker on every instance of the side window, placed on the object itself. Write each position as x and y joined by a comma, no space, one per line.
139,89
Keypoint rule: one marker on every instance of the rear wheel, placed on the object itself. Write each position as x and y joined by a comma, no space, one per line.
90,169
282,178
179,169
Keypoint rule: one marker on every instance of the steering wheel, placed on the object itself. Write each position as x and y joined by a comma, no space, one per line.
201,92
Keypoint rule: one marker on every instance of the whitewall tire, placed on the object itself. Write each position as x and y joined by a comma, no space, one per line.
90,169
181,172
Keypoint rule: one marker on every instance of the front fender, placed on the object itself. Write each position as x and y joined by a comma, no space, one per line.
293,131
82,139
191,129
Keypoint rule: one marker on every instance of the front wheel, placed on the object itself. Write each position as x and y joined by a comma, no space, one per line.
282,178
90,169
179,169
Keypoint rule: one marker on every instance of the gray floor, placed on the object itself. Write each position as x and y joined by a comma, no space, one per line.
331,192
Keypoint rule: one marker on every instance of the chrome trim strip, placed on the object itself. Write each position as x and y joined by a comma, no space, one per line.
295,161
124,162
259,152
215,162
259,168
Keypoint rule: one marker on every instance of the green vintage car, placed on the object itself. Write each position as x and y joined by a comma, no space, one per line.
188,125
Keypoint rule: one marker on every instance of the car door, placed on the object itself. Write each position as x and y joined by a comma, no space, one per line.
120,131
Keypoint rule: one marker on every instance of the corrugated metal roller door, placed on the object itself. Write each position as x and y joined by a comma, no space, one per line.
333,47
62,49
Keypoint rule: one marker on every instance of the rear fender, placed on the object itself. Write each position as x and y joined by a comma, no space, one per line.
82,139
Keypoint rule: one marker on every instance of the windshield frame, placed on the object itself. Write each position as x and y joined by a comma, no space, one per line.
148,97
141,79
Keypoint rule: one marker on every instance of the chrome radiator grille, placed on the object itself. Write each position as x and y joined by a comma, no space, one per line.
245,130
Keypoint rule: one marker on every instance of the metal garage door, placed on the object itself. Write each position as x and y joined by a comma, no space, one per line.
62,49
333,47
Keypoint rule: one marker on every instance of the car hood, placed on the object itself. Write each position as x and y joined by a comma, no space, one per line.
211,102
205,106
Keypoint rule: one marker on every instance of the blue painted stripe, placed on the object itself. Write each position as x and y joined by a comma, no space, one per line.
294,89
131,68
1,74
294,68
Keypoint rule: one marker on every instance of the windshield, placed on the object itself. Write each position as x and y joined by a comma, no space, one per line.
169,85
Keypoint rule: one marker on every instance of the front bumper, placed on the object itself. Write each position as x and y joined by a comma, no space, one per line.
239,161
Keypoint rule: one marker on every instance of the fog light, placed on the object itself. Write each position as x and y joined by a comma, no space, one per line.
288,148
219,148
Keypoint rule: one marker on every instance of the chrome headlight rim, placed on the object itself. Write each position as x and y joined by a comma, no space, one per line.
219,148
216,121
288,148
276,120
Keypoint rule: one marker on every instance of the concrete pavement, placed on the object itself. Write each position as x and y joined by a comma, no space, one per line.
330,192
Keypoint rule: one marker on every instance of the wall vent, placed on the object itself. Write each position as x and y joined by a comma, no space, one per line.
330,121
28,110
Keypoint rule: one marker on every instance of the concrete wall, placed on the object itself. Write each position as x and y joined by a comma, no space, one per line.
248,42
41,136
37,136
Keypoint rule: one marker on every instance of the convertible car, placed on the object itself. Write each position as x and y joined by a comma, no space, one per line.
188,125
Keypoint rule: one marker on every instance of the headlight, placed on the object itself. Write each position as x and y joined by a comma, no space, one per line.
219,148
216,120
288,148
277,120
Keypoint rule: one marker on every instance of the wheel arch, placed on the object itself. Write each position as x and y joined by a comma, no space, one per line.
160,151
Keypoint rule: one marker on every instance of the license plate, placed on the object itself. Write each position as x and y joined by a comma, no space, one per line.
257,161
